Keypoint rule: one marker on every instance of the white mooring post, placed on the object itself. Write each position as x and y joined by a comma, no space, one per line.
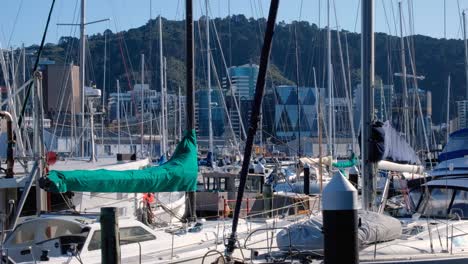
340,221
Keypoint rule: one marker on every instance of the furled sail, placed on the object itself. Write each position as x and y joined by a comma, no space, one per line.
177,174
396,147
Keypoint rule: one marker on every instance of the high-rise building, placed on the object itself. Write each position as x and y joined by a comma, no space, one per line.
243,80
201,113
61,89
462,111
293,116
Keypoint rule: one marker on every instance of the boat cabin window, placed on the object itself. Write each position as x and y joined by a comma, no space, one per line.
128,235
460,204
215,184
254,183
37,231
437,203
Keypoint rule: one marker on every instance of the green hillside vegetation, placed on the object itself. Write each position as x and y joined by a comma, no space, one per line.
435,58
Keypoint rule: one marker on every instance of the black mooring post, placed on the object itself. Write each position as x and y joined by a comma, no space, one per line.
340,221
306,179
110,244
190,205
254,119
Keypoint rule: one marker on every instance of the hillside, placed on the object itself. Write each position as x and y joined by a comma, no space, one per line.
435,58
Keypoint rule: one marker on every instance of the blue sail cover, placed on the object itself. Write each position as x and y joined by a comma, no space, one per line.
456,147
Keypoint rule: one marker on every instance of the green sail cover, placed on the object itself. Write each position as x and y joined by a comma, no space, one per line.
353,161
177,174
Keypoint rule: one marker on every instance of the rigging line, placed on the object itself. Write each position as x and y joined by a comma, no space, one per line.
345,83
129,83
460,27
357,15
15,21
224,104
394,17
228,76
386,17
39,53
62,95
90,68
128,127
418,101
259,27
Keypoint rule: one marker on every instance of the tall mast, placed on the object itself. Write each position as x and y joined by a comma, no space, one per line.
103,88
166,133
448,110
23,64
367,75
466,53
190,213
142,111
329,66
405,86
256,106
180,115
208,75
82,74
298,124
118,116
161,77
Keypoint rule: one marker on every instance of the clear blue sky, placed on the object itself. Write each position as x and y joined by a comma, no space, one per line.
22,21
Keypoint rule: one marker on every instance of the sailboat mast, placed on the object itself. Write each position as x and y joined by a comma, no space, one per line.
367,75
256,106
142,111
208,75
103,88
405,85
161,77
180,115
23,64
164,94
448,110
190,213
466,53
298,122
82,74
330,99
118,116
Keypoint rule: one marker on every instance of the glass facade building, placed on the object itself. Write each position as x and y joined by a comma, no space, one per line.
201,113
295,112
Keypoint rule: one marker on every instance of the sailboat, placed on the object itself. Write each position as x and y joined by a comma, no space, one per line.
433,234
73,237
